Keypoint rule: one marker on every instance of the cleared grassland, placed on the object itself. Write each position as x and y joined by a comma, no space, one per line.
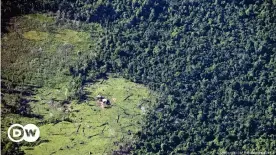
91,128
37,49
37,52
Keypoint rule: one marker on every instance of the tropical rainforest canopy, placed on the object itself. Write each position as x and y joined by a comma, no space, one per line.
213,63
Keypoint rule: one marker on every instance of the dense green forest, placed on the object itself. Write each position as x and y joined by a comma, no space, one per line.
213,62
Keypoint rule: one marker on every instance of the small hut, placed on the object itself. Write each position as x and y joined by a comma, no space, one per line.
102,101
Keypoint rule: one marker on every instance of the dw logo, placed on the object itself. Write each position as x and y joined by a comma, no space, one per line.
29,133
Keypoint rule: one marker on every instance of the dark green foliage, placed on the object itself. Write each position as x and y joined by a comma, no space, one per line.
214,62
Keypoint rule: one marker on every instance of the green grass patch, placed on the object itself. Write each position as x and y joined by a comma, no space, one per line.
37,46
35,35
92,129
81,40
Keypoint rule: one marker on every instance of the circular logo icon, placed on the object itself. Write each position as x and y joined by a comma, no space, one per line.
15,132
31,133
